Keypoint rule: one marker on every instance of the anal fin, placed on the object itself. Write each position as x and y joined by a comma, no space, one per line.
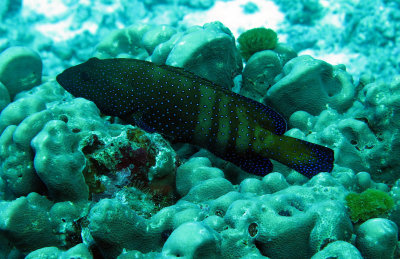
251,163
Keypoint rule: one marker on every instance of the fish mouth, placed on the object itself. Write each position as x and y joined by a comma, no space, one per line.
59,79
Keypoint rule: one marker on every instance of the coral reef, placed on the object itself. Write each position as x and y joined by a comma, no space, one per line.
77,184
301,12
369,204
375,243
310,85
255,40
20,70
208,51
261,70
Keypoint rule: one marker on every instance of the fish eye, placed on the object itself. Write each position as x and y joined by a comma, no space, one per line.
84,76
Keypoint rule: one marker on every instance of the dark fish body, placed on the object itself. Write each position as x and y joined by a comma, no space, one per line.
191,109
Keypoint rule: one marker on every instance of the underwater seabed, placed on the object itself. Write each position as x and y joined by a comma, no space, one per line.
78,184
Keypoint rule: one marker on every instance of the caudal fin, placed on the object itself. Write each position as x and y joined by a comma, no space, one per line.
305,157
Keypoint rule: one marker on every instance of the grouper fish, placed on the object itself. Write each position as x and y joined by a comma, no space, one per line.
191,109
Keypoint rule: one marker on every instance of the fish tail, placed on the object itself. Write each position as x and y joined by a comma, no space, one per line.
305,157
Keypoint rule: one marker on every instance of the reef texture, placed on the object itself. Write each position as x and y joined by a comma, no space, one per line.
75,183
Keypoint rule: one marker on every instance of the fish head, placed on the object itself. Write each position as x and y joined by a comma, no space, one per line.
96,80
78,79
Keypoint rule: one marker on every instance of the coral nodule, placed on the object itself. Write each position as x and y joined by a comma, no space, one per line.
368,204
255,40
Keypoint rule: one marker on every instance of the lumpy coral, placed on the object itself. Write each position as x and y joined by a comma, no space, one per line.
368,204
255,40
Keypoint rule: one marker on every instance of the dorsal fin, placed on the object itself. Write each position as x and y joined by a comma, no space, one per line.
186,73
